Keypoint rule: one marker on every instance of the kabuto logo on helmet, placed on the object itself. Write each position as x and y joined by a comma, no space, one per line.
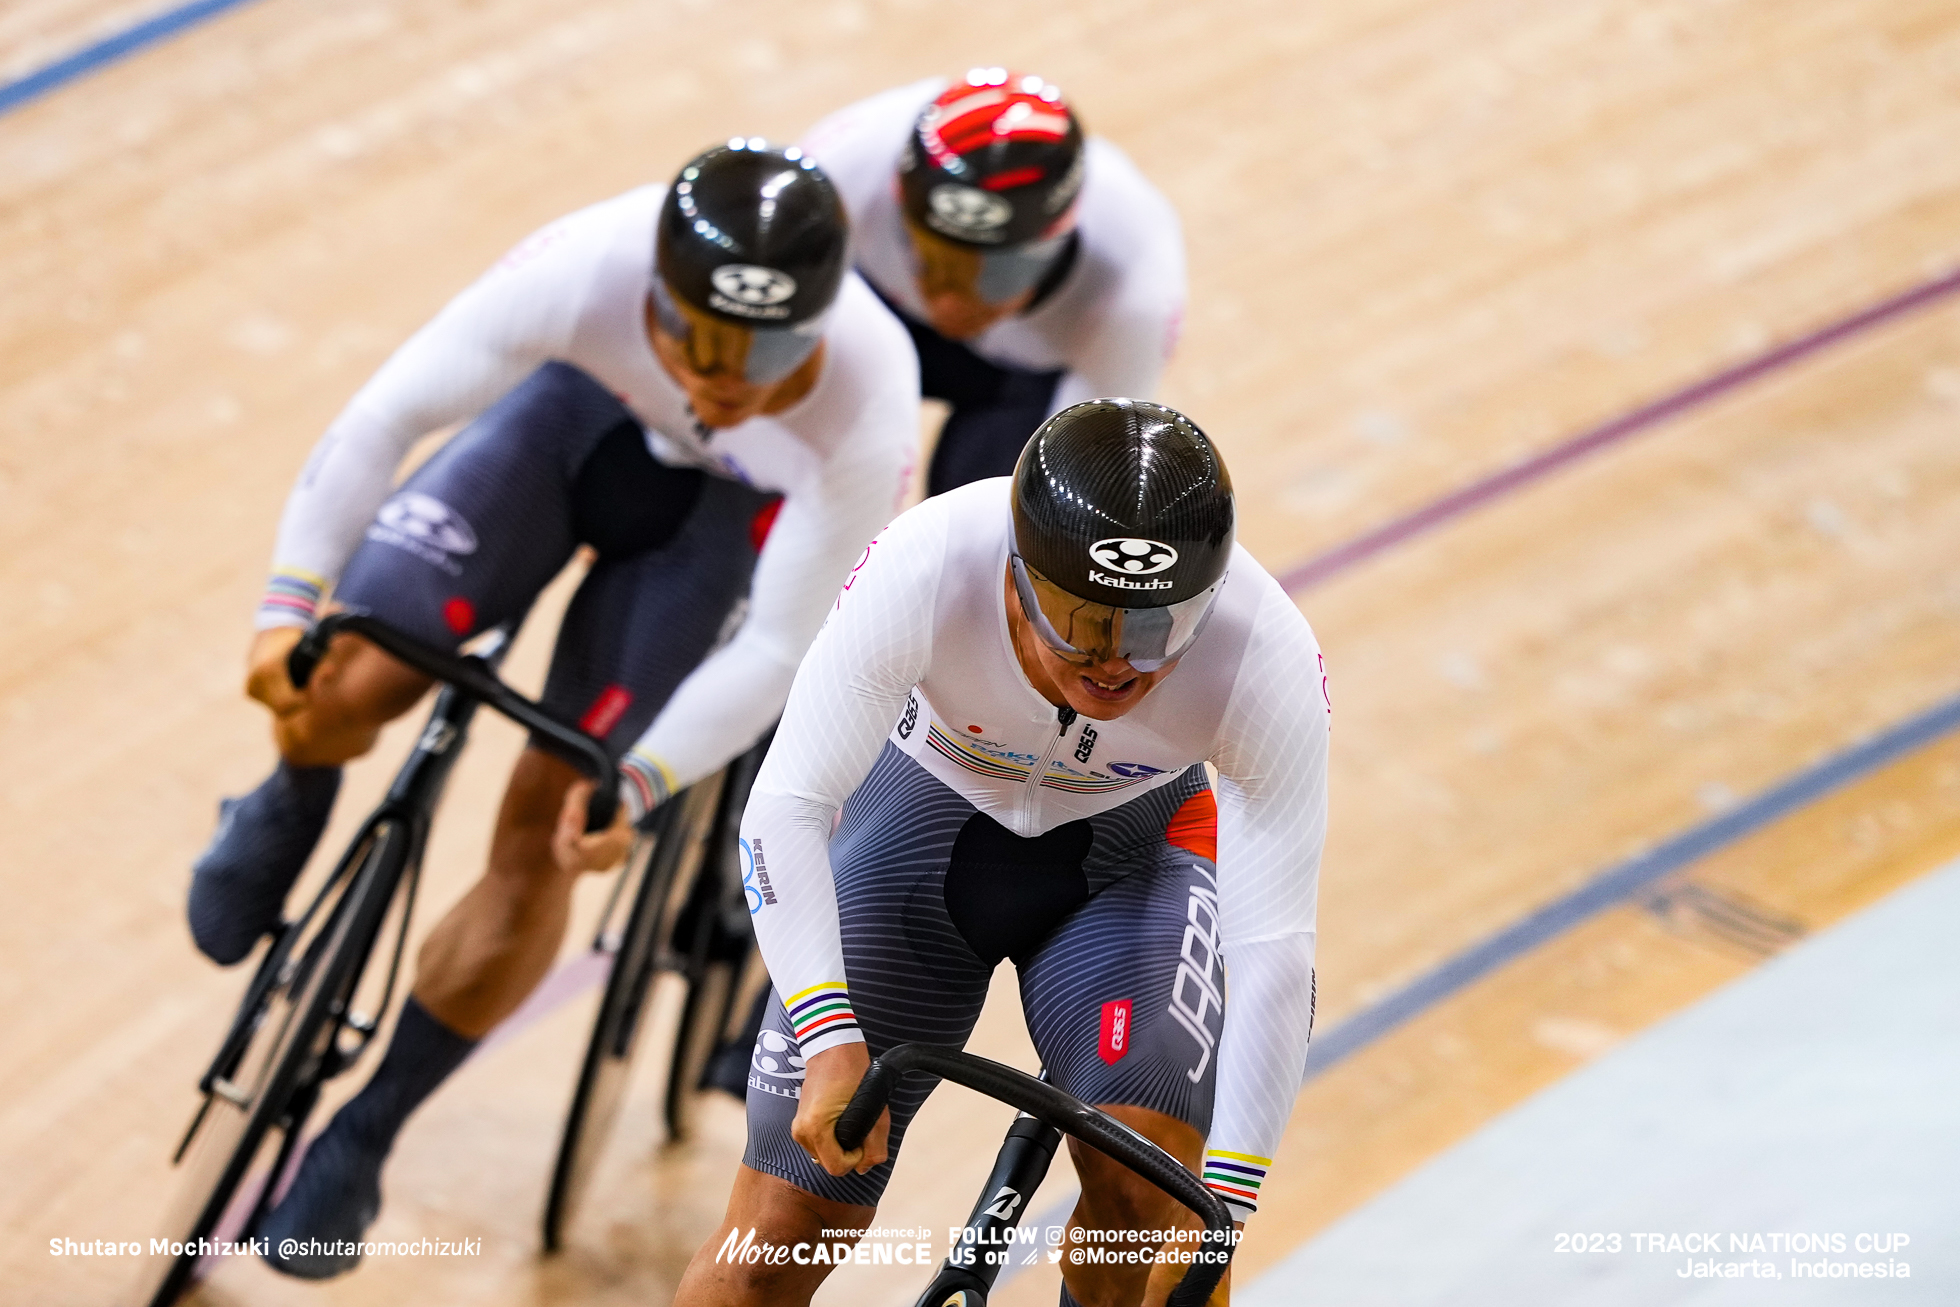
967,213
749,291
1133,556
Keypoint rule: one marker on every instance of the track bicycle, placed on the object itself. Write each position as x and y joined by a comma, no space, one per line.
688,915
967,1276
307,1015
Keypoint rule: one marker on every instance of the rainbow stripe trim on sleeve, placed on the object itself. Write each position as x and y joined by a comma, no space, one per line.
1236,1177
646,783
820,1010
292,597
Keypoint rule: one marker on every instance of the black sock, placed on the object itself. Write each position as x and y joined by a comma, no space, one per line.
314,786
420,1056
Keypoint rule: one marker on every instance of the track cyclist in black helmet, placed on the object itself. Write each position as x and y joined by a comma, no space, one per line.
1012,706
652,378
1033,265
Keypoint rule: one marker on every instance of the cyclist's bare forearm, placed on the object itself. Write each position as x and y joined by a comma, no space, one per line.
777,1214
1115,1198
577,850
355,691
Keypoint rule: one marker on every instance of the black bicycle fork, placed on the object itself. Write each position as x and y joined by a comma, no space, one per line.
967,1275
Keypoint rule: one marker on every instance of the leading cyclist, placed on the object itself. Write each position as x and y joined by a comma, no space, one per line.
652,377
1012,704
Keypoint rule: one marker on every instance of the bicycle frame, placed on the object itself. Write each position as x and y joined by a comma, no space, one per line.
318,961
1019,1169
472,676
1067,1114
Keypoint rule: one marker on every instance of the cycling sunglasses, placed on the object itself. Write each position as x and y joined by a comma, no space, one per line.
993,276
714,347
1086,633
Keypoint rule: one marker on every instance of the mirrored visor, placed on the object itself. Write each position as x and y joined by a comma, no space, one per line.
713,346
1085,632
946,267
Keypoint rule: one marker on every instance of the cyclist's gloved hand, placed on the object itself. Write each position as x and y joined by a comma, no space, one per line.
829,1080
266,678
574,850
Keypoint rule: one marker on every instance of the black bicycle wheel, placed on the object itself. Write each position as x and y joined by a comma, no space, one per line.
721,967
722,980
664,862
703,1013
728,1069
283,1042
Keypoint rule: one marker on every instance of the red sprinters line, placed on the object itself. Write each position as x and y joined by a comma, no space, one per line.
1612,432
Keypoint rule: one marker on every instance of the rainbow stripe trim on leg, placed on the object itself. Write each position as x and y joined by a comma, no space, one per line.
1236,1178
820,1011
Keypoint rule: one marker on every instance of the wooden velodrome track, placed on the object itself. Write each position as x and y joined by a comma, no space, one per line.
1427,237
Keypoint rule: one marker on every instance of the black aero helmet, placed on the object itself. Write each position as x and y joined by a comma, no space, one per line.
750,236
995,160
1123,530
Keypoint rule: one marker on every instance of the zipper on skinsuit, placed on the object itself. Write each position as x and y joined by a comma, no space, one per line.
1065,715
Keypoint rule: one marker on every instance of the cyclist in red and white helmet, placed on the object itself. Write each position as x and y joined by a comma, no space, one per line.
1034,265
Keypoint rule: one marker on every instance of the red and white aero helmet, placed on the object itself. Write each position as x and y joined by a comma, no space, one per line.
996,160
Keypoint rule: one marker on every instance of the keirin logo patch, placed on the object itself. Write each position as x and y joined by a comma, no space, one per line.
755,876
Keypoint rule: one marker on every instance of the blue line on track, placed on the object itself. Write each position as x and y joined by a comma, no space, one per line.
1617,884
109,49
